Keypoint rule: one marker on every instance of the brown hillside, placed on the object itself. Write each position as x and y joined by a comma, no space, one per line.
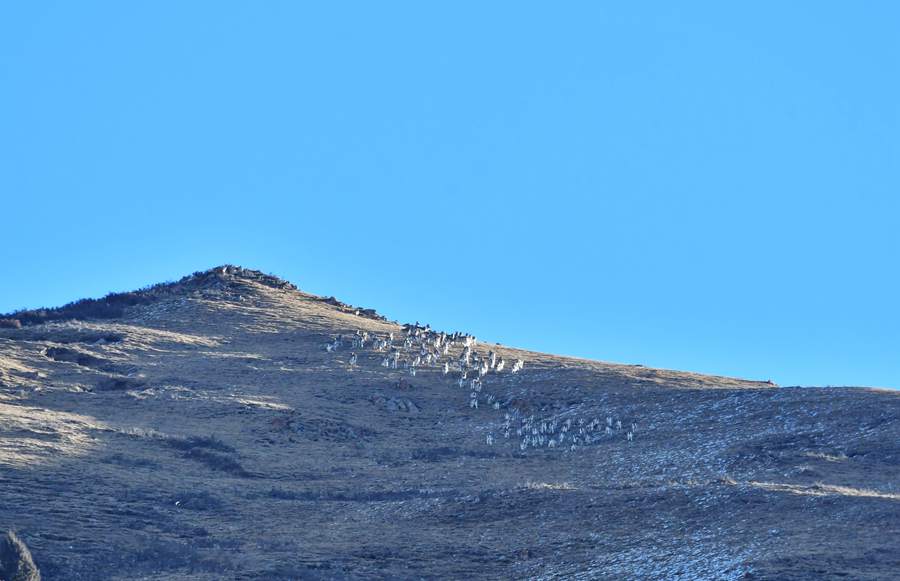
202,430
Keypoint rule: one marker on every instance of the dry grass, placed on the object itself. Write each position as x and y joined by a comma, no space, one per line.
821,489
532,485
840,457
250,452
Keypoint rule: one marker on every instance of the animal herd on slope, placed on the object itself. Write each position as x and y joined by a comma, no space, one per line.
457,356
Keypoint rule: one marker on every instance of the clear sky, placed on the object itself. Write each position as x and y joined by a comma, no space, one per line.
710,186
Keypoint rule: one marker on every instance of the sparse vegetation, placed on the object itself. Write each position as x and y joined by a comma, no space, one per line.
180,442
76,357
207,450
837,457
216,461
531,485
725,478
282,494
130,461
114,305
120,383
190,443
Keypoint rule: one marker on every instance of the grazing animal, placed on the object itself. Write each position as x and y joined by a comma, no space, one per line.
353,359
630,436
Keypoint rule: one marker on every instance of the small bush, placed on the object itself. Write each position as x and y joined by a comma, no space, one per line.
113,305
16,563
282,494
119,384
216,461
195,442
129,461
73,356
10,324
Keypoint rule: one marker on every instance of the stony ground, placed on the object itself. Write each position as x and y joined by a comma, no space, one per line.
209,434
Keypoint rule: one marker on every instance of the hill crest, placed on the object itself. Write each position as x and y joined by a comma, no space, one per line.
226,277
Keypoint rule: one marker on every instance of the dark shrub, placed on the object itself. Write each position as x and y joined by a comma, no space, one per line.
16,563
194,442
113,305
216,461
74,356
282,494
129,461
10,324
119,384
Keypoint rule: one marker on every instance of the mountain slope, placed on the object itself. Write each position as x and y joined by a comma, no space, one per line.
202,429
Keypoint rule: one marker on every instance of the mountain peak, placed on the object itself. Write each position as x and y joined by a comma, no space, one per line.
229,273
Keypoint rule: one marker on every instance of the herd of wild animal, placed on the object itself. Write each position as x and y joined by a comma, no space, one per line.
457,356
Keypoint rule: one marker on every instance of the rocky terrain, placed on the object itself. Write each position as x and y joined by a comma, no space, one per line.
230,426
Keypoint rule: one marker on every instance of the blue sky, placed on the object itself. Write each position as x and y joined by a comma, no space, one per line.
695,185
